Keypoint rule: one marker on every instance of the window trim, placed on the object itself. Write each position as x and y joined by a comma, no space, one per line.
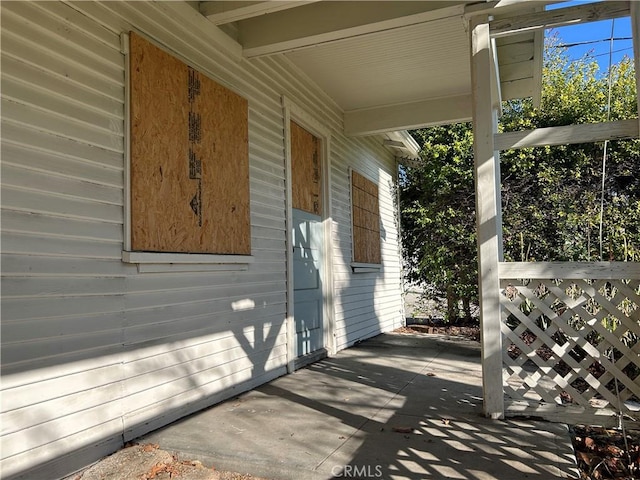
361,267
186,262
357,267
148,261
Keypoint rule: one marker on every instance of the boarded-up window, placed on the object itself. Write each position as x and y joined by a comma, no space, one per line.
366,220
189,158
306,171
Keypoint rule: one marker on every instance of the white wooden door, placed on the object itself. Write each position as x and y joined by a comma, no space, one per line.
308,248
307,281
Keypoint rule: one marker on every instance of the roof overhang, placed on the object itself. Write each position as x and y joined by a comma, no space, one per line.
403,145
389,65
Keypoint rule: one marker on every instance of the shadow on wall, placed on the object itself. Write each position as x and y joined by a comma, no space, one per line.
171,368
179,368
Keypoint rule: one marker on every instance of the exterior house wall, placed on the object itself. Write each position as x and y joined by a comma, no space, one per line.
95,353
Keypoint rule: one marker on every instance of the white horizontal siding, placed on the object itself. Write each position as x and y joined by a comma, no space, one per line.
43,58
94,353
204,321
367,303
71,154
26,222
39,180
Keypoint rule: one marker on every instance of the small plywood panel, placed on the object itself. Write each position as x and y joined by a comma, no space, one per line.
306,170
366,220
189,158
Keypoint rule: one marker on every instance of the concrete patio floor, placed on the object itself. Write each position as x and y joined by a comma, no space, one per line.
396,406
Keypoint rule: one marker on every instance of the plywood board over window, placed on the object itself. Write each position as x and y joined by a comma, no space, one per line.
189,158
366,220
306,173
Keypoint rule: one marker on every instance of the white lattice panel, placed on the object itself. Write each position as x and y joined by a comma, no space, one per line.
572,342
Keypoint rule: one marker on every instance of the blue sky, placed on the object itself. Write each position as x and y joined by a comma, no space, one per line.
600,34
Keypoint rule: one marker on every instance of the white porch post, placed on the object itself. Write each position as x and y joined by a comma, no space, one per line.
488,215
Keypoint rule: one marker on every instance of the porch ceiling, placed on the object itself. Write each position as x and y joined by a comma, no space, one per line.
390,65
417,62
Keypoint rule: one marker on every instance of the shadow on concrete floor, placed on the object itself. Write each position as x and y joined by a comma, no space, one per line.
394,407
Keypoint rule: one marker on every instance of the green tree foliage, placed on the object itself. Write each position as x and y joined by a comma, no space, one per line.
438,214
550,195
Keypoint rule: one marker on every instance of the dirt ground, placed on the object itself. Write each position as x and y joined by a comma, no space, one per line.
606,453
149,462
468,331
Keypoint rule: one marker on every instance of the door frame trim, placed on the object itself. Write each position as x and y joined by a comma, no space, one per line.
291,111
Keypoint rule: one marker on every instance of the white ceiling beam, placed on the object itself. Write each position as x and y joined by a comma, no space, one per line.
558,18
220,12
441,111
568,134
325,22
501,7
